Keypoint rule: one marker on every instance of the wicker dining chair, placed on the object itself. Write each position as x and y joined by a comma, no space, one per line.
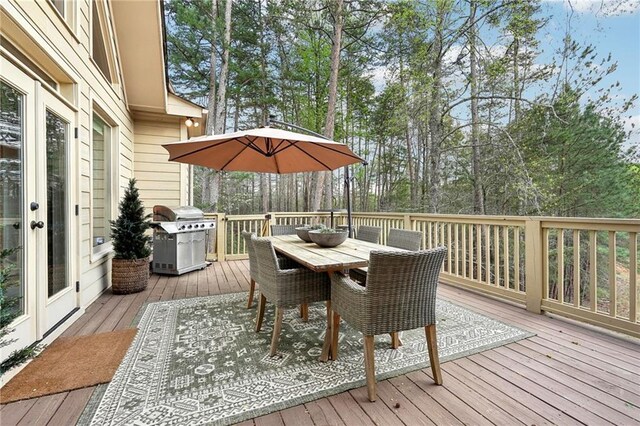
284,229
253,265
400,295
369,233
285,287
398,238
404,239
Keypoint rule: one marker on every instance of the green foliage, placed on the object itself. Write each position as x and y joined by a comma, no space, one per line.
548,135
128,231
576,160
9,310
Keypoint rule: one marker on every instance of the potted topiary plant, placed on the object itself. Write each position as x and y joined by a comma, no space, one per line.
130,265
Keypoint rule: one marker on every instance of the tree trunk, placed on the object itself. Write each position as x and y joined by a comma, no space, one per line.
435,113
478,196
221,104
209,195
333,95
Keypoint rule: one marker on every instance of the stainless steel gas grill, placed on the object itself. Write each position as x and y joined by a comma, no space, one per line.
179,239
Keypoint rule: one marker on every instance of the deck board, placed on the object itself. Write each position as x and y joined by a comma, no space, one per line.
566,374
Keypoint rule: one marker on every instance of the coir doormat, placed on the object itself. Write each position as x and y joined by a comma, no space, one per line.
70,363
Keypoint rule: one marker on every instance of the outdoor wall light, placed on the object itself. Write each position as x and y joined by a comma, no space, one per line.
188,122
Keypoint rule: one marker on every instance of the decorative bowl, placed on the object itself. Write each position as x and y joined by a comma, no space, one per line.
328,239
303,233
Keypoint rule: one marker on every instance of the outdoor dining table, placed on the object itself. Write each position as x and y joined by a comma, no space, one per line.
348,255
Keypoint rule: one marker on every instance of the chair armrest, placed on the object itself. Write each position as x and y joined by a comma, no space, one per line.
350,300
347,284
301,273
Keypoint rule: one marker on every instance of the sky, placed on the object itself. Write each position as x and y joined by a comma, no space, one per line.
612,27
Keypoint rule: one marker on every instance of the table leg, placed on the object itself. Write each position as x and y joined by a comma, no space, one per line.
334,335
326,346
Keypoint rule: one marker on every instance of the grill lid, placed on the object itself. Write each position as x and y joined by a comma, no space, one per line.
172,214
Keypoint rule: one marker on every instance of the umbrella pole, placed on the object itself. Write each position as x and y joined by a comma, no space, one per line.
347,178
347,186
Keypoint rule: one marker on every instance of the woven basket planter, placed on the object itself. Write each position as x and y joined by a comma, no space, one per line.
129,276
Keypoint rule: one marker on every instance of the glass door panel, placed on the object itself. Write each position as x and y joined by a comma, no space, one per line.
57,131
56,163
11,193
17,189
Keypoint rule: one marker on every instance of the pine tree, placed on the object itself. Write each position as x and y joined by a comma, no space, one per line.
128,230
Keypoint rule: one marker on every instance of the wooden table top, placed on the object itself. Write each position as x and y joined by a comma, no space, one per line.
348,255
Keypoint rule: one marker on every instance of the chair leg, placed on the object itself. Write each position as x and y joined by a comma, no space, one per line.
370,368
252,289
261,305
277,326
432,344
395,340
304,312
335,331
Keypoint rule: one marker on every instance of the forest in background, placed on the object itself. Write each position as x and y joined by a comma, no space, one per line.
446,100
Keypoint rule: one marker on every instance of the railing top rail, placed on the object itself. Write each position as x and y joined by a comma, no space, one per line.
239,216
546,220
629,221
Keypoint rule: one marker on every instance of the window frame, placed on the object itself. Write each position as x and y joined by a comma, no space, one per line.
68,16
111,182
101,12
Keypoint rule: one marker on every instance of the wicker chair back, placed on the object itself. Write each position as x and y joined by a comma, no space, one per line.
369,233
284,229
404,239
400,293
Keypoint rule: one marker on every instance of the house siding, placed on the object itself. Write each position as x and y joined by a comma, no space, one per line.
159,181
136,149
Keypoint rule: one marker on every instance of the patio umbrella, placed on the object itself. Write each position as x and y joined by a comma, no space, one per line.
265,150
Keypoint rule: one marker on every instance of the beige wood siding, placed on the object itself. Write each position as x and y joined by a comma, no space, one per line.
159,181
70,51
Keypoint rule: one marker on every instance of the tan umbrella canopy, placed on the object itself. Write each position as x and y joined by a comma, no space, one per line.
263,150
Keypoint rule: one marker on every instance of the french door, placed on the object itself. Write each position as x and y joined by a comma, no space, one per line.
37,172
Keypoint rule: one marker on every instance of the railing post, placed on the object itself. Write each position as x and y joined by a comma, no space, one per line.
266,226
407,221
221,237
533,264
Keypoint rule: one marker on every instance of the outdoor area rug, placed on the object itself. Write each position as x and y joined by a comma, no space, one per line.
70,363
199,361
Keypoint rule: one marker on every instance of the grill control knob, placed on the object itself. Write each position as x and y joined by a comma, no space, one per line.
190,226
182,227
202,226
211,225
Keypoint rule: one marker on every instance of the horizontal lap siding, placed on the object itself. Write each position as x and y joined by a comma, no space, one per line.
43,26
159,180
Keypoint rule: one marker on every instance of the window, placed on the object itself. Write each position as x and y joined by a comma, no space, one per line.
102,182
99,53
59,5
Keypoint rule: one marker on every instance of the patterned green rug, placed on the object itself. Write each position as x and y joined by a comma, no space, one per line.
199,361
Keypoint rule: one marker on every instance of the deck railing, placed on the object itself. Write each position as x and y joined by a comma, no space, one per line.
585,269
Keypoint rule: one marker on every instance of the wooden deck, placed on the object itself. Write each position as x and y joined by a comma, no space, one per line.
566,374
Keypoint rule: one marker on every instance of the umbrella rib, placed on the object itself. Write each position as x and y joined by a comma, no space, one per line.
294,144
201,149
250,145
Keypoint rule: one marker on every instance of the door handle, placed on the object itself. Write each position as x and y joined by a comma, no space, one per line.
39,224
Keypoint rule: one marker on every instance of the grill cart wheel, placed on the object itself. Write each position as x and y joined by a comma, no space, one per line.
129,276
